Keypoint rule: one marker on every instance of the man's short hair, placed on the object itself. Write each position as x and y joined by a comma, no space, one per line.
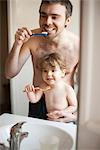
66,3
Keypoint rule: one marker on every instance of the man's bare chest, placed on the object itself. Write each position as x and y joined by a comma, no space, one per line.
67,52
64,50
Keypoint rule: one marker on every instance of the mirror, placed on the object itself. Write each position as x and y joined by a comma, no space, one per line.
28,18
24,13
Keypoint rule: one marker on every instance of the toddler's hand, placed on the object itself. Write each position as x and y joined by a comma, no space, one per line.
29,88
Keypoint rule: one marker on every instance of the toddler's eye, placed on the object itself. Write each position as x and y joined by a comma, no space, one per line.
53,70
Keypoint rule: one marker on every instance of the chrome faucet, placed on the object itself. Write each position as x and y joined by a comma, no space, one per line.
16,136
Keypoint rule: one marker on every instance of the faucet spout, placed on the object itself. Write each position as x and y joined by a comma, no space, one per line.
16,136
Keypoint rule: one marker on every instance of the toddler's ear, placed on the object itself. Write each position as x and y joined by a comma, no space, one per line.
64,73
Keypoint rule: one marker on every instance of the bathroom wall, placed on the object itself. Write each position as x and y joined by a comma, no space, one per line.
24,13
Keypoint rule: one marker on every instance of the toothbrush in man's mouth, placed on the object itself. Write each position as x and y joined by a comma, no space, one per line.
40,34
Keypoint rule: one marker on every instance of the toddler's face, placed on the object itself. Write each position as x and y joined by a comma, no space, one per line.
51,75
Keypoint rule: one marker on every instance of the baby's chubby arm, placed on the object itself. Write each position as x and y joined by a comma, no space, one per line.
33,93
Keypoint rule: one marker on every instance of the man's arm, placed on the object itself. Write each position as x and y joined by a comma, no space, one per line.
18,54
72,100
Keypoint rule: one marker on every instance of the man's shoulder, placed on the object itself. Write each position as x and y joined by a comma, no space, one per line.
73,36
72,39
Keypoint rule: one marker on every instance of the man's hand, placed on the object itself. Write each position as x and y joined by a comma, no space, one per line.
54,115
22,35
62,116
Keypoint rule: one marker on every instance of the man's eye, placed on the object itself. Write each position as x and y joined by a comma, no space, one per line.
42,15
44,70
54,17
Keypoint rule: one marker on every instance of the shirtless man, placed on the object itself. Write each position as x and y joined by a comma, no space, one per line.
54,19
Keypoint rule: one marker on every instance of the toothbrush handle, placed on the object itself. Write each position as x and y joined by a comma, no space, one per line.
39,34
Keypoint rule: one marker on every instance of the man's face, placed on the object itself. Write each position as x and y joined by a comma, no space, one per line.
52,19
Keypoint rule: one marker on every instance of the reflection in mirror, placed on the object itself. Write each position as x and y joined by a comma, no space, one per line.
60,37
29,19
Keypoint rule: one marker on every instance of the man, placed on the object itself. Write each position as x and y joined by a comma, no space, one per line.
55,16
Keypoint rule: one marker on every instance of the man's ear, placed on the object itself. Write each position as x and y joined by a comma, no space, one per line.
68,21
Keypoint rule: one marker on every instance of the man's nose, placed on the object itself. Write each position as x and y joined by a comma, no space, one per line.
48,20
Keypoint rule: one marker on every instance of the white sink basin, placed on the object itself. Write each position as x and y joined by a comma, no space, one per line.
37,132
